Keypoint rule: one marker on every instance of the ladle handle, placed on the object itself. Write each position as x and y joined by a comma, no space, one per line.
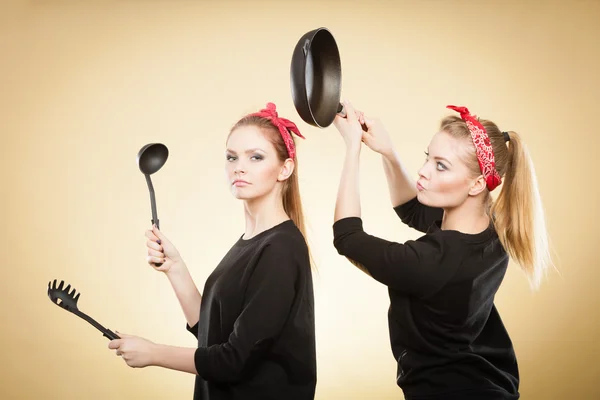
152,198
153,205
155,222
341,111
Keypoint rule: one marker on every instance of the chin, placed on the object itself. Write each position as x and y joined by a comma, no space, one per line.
427,201
244,194
443,201
238,194
422,198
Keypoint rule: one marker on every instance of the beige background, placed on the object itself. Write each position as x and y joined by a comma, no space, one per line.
85,84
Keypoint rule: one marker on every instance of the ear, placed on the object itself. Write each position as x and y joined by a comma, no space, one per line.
477,186
286,170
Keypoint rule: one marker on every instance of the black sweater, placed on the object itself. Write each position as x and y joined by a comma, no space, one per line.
256,333
445,331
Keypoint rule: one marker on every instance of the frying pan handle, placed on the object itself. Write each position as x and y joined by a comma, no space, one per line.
341,111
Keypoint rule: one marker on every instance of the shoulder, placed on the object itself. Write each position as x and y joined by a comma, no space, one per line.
436,248
436,233
284,245
286,236
454,247
440,239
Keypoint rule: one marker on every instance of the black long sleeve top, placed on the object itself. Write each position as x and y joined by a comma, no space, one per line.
446,334
256,333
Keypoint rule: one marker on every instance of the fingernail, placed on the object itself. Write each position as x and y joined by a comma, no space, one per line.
158,241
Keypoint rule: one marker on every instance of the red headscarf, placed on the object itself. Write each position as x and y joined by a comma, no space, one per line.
483,147
285,126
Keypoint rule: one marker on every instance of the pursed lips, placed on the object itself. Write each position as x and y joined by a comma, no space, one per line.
240,182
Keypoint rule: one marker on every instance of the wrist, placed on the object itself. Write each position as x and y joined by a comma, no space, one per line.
156,354
389,154
178,268
353,147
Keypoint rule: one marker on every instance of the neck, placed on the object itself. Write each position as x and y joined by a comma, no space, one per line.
470,217
263,213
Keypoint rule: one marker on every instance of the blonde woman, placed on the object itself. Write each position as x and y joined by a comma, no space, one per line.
446,334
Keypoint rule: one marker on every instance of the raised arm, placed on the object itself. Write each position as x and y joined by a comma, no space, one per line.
402,187
161,251
348,197
417,267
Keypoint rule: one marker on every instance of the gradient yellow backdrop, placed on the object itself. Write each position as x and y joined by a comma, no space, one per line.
85,84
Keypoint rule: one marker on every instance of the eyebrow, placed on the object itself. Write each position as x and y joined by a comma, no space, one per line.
247,151
443,159
440,158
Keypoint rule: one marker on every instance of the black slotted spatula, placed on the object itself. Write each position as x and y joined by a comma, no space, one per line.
68,301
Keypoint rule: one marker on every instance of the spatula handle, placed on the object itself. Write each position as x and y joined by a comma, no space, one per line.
110,334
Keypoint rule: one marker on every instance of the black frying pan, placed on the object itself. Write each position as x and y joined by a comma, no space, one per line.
316,78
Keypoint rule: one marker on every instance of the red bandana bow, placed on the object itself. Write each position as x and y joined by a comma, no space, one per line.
285,126
483,147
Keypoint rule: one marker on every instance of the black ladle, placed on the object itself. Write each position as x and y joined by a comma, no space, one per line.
150,159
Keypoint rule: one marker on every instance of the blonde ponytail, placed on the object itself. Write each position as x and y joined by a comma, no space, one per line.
518,214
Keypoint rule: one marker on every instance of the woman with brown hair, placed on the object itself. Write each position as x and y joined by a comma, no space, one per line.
255,318
446,334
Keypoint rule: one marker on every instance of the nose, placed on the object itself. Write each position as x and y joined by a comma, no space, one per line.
424,171
239,168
